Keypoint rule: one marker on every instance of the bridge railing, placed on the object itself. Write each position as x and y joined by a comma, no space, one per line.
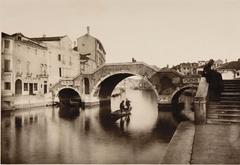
200,102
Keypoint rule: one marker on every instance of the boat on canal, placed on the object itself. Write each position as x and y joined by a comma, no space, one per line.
118,114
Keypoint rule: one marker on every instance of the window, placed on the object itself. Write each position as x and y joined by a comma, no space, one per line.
60,72
35,86
59,57
25,86
7,86
18,67
7,65
6,43
28,67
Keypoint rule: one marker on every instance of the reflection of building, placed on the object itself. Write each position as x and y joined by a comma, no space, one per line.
230,70
30,66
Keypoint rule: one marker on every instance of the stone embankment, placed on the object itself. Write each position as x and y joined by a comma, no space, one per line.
204,144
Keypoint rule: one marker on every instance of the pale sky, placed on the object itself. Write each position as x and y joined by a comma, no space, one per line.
158,32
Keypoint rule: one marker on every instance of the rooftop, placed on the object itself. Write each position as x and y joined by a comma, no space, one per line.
231,65
55,38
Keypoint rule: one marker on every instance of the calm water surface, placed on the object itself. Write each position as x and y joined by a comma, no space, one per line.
40,135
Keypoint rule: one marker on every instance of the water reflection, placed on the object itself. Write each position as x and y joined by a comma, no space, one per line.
42,135
68,112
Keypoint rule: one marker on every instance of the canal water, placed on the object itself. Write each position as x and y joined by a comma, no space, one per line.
41,135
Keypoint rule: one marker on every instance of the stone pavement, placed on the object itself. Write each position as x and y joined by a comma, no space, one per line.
216,144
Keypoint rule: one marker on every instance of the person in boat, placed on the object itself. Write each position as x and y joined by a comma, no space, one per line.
122,106
214,80
128,105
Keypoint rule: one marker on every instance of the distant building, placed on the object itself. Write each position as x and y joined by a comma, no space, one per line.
186,68
230,70
201,65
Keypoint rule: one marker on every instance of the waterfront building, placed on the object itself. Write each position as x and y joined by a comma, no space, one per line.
31,66
24,66
63,61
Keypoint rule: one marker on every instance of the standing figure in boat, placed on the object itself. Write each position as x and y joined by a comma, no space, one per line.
128,105
122,106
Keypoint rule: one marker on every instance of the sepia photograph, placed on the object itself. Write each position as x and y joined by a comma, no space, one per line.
120,81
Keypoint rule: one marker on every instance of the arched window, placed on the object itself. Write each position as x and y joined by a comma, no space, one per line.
86,85
18,86
18,66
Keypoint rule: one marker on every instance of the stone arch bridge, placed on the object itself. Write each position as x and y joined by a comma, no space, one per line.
98,85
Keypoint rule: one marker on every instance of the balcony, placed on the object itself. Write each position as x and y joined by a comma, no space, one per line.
29,74
19,74
43,75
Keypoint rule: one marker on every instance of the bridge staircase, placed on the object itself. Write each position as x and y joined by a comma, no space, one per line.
227,109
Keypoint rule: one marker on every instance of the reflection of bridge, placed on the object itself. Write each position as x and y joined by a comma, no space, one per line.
165,83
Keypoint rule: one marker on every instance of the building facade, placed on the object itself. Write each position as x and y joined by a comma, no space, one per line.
24,66
92,52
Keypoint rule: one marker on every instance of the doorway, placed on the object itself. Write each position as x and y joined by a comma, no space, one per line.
45,88
30,88
18,87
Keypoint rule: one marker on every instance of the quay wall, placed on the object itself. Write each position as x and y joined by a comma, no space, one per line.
179,149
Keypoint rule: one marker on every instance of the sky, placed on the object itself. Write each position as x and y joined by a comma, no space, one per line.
158,32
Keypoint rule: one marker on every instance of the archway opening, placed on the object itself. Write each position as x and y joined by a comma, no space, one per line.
18,87
69,96
183,103
143,100
70,102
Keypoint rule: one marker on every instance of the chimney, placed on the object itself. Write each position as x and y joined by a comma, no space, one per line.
88,29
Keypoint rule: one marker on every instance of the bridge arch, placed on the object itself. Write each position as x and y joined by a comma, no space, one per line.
106,84
67,94
179,91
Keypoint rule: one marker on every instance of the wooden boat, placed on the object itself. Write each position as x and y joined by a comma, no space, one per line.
118,114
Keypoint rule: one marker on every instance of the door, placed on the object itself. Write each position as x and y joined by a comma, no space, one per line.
31,88
18,87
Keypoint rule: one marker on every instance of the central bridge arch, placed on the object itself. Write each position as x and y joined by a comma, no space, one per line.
106,85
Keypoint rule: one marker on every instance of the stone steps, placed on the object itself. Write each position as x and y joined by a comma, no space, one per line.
227,110
224,111
230,98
